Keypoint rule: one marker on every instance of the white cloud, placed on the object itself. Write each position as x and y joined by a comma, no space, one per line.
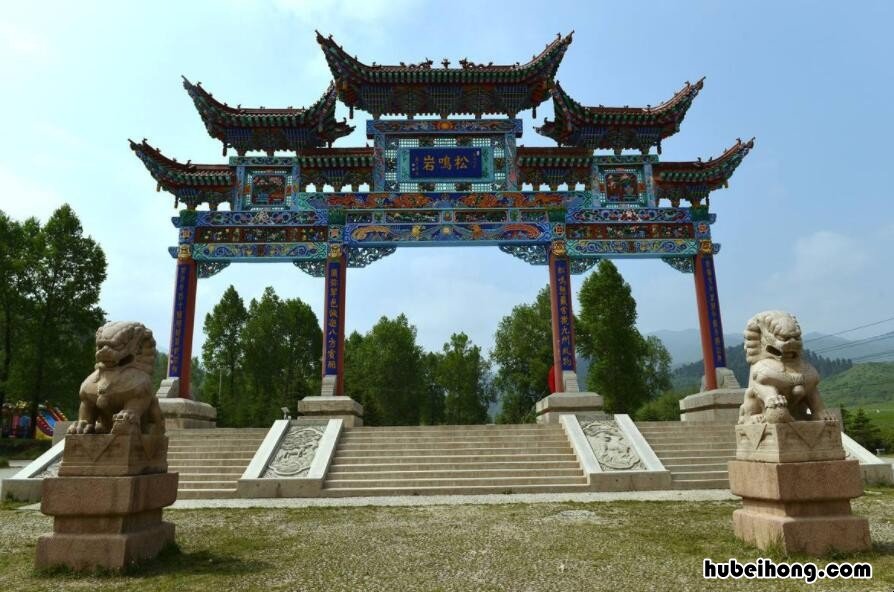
22,43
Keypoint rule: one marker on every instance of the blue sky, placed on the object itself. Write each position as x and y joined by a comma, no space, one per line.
805,225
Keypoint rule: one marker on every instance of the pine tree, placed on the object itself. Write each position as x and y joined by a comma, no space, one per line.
861,428
607,335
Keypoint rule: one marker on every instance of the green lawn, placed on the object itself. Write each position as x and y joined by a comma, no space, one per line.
554,546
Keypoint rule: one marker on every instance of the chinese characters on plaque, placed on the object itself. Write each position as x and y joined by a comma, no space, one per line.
445,163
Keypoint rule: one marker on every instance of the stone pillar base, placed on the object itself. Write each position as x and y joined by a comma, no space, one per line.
800,507
107,502
549,408
717,406
327,407
186,413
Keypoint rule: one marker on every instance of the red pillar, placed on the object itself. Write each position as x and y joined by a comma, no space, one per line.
710,326
334,323
182,323
562,315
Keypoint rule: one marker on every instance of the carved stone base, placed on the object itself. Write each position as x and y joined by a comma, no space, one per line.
105,522
795,441
549,408
186,413
803,507
114,455
322,407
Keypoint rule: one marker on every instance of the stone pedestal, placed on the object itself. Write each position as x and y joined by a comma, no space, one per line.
796,489
720,405
182,413
107,502
327,407
550,408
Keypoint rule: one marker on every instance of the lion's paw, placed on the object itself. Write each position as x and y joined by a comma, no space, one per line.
777,401
81,427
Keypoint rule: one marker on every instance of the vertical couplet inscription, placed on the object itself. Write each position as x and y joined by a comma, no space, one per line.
178,331
332,361
718,351
563,288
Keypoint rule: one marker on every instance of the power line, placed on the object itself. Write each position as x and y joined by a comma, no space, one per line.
851,344
869,357
849,330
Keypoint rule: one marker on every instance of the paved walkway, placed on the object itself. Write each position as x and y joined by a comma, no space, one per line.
454,500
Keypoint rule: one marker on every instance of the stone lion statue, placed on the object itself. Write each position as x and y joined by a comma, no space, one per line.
118,395
782,387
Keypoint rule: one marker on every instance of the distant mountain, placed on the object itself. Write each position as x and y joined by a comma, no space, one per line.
863,385
688,376
685,346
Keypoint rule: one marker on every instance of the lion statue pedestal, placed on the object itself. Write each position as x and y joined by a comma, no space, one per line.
113,482
790,467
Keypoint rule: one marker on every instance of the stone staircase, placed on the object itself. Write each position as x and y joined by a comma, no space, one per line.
210,461
695,453
442,460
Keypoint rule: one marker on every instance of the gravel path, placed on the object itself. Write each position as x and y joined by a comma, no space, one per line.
453,500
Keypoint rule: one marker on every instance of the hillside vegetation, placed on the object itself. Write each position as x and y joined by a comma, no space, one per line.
862,385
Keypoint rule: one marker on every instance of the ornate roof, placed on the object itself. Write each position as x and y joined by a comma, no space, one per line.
269,130
693,181
554,166
189,183
337,167
616,128
420,89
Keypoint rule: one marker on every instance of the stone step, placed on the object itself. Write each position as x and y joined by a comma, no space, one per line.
222,484
565,455
454,445
701,484
223,493
696,475
440,474
450,437
206,447
681,468
457,490
670,439
337,469
729,452
456,428
685,429
500,482
445,452
207,462
681,424
690,445
210,455
209,476
696,460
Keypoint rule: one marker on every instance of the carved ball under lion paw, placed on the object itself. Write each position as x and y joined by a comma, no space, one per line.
777,415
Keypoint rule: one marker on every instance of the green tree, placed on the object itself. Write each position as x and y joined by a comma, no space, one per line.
463,373
861,428
62,285
607,335
281,345
523,352
13,256
222,353
432,411
656,365
387,373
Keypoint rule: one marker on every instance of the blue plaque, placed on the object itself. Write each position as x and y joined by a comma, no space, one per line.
446,164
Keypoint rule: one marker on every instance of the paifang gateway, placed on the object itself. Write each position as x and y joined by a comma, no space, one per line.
440,174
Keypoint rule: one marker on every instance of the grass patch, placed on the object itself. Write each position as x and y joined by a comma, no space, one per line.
550,546
21,449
